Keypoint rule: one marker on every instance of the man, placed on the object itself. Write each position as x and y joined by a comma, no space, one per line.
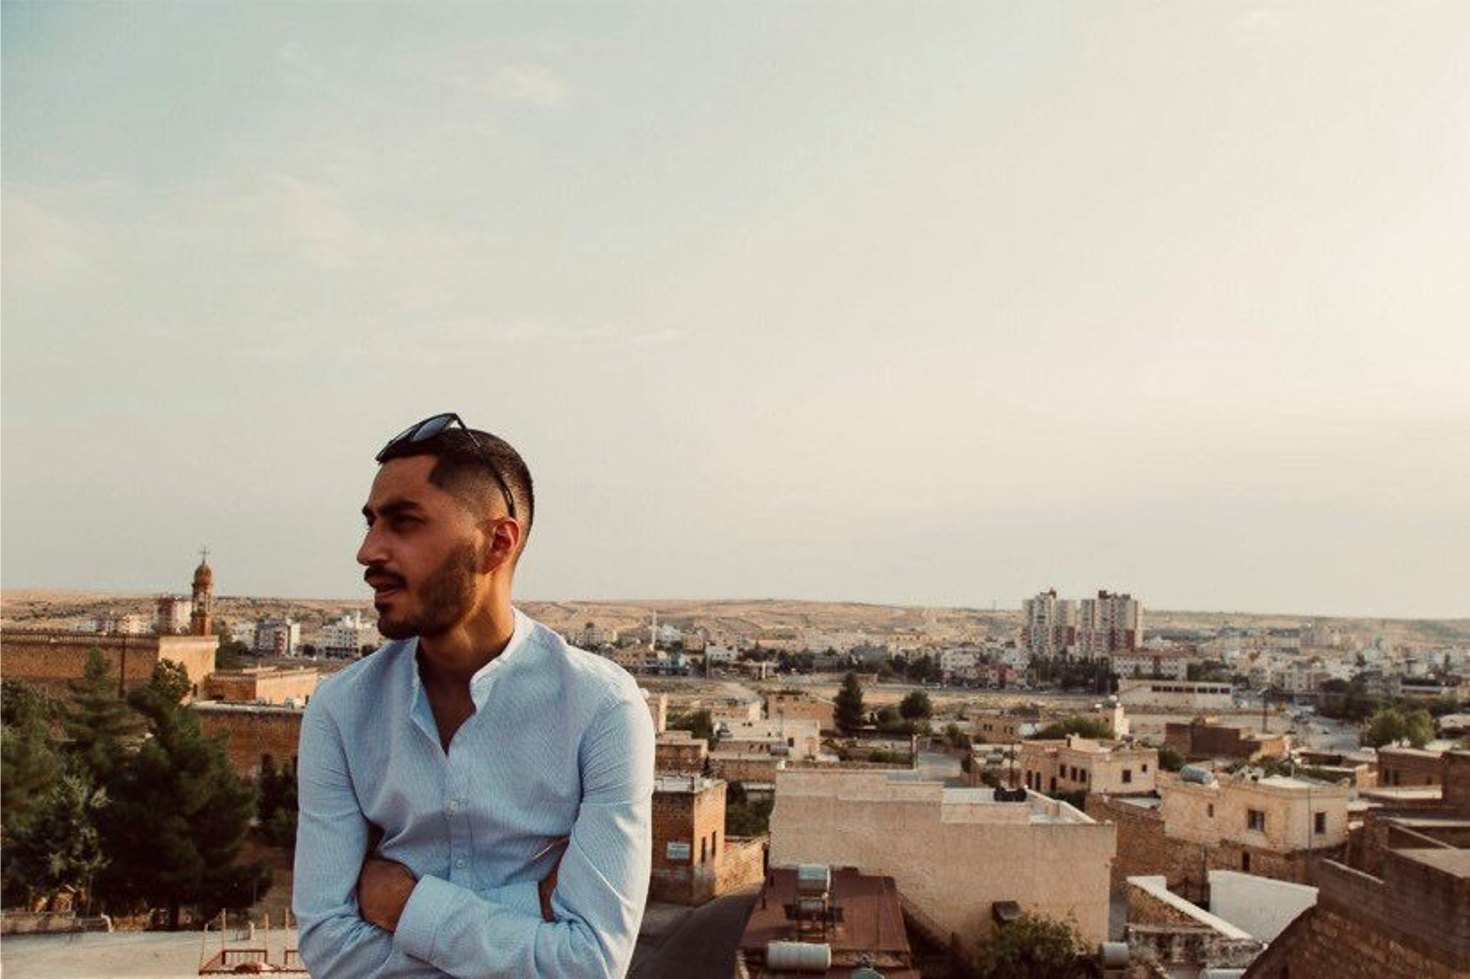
475,797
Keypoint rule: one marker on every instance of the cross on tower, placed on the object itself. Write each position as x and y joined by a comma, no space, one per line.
204,554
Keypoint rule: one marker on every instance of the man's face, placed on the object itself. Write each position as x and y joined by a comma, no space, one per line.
421,552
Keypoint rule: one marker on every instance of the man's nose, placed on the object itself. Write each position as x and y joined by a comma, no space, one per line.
372,550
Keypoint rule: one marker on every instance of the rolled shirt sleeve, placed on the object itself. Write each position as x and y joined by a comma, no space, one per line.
602,882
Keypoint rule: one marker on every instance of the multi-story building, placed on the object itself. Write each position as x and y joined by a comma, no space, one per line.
592,636
1048,625
121,625
959,661
1167,664
1275,815
692,859
719,655
1039,854
172,618
278,637
1108,624
347,635
1079,764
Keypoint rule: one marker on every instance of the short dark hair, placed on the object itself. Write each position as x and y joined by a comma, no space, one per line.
466,467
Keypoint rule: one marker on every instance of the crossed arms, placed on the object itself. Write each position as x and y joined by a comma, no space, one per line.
599,886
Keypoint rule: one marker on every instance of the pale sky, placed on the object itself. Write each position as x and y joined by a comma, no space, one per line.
926,304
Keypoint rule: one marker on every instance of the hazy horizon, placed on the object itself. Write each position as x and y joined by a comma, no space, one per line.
914,305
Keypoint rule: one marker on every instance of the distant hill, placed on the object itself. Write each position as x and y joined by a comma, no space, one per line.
36,608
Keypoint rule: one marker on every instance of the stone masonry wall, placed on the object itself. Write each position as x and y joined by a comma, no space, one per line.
252,733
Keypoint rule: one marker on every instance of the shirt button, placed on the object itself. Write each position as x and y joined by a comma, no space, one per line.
460,863
453,805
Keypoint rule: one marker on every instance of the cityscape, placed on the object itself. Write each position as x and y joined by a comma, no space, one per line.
965,490
923,797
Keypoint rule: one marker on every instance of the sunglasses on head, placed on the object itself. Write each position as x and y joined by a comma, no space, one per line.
434,427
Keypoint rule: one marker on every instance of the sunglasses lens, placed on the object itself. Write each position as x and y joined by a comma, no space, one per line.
432,427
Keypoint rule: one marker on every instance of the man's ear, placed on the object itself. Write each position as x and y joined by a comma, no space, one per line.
501,535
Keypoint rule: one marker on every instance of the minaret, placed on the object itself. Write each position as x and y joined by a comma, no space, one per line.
201,623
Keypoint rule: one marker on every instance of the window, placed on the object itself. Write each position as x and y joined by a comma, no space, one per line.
702,842
1245,863
1320,822
1144,767
1127,775
1210,810
1255,820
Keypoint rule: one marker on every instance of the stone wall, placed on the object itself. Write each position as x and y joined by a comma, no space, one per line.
1143,849
1406,766
1456,775
252,732
678,754
1412,922
744,768
743,863
266,685
47,660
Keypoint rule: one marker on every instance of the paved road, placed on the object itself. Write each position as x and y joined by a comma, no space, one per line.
702,944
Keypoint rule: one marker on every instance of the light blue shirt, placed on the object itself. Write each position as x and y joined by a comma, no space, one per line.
560,744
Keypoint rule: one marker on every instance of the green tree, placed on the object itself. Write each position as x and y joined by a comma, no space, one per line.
98,724
29,763
916,706
849,704
698,723
179,814
1034,947
276,809
1170,760
1391,725
59,849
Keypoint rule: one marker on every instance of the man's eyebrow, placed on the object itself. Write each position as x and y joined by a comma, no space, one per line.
393,507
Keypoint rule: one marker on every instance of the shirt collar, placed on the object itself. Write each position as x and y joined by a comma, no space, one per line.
479,688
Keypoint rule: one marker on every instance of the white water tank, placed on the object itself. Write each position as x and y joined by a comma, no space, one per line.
798,957
813,879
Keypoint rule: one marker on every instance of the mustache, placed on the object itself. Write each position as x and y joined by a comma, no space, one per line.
377,571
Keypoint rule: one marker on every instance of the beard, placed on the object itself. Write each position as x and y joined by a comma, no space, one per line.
445,598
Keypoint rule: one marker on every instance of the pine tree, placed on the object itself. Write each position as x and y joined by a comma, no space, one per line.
179,813
98,724
29,764
59,849
849,712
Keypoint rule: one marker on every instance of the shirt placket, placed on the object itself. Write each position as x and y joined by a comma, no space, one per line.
458,786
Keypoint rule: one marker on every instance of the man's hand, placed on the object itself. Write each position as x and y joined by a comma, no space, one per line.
383,888
546,888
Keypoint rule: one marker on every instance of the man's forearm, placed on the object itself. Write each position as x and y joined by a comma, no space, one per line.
504,934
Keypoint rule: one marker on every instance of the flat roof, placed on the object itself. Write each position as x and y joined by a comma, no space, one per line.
1450,860
872,920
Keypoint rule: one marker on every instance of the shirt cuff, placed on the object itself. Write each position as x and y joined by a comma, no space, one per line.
418,924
